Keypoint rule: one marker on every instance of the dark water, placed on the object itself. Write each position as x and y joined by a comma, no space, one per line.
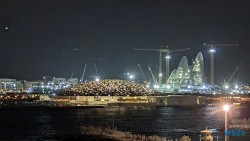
56,123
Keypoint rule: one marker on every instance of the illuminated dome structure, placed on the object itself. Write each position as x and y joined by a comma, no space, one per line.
107,87
187,78
198,70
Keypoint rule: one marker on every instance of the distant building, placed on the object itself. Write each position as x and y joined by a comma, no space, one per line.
58,81
8,85
72,81
188,78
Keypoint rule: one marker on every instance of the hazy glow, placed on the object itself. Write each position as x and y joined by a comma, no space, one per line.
168,57
212,50
131,77
226,108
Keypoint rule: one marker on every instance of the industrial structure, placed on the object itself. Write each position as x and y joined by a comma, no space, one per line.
212,51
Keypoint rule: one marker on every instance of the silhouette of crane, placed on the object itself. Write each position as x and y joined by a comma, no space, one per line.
168,52
212,51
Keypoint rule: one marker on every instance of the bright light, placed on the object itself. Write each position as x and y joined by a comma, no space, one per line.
212,50
204,87
226,108
147,86
168,86
236,87
226,86
168,57
156,86
97,79
131,77
189,86
160,74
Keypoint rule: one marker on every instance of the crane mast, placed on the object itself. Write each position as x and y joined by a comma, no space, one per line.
212,51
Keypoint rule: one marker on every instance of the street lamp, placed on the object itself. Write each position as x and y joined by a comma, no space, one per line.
226,108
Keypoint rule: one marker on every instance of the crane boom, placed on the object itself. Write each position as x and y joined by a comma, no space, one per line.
219,45
83,72
237,68
145,79
72,74
96,69
153,77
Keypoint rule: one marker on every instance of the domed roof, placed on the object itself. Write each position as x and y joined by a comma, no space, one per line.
108,87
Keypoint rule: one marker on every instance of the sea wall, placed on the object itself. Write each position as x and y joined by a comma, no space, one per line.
173,100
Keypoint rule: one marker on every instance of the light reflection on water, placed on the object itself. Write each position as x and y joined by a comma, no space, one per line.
54,123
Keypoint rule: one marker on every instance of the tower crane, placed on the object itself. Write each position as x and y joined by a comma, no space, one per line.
212,51
168,52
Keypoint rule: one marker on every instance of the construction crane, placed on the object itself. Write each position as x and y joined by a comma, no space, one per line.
145,79
97,76
228,81
83,73
168,52
72,74
153,77
212,51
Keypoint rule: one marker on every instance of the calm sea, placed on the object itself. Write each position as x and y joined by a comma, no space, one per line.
32,123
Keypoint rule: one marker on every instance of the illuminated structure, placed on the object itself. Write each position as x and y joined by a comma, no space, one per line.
108,87
188,78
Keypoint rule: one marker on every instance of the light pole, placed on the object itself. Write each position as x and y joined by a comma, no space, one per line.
226,108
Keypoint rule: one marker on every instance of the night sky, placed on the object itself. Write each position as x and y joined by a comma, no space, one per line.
55,37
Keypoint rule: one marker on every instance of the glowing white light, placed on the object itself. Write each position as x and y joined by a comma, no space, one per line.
189,86
160,74
204,87
236,87
212,50
226,108
131,77
168,57
156,86
168,86
97,79
147,86
226,86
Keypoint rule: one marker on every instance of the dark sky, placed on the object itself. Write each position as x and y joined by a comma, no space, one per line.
55,37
